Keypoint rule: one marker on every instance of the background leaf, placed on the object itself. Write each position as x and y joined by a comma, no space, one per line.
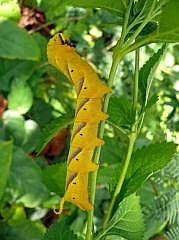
14,69
14,125
20,98
16,43
54,178
5,162
59,231
25,181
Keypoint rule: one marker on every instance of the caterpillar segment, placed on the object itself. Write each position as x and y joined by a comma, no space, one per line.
90,91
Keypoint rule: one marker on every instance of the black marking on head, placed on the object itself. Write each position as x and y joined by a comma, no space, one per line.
74,198
61,38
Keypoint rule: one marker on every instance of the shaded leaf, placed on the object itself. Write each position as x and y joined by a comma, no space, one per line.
5,162
16,43
109,175
59,231
54,178
11,69
27,230
25,183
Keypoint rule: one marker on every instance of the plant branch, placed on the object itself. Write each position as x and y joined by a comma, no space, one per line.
136,77
132,138
117,57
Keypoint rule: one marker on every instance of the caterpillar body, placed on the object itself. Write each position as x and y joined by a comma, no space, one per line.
88,115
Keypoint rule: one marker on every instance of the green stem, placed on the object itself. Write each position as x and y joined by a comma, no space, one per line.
117,56
98,150
132,139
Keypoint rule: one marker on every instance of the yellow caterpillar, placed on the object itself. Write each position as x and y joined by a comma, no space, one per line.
84,140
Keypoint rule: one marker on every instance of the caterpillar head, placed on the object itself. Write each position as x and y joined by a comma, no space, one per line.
58,39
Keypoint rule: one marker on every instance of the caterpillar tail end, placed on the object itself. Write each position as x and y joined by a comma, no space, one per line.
60,210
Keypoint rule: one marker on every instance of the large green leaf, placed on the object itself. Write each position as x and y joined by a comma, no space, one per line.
127,220
25,183
15,43
59,231
5,162
11,69
20,97
146,161
54,178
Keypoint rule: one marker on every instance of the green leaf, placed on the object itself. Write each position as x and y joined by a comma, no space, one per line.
54,177
25,183
52,129
147,72
27,230
20,97
15,43
59,231
11,69
146,161
14,126
120,110
168,28
127,220
5,162
41,112
109,175
111,151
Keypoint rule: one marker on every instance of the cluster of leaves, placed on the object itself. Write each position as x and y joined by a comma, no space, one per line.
38,102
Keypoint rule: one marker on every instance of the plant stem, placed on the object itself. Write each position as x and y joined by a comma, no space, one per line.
132,138
117,56
136,77
98,150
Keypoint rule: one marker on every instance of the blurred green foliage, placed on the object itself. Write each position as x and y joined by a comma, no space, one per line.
41,102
